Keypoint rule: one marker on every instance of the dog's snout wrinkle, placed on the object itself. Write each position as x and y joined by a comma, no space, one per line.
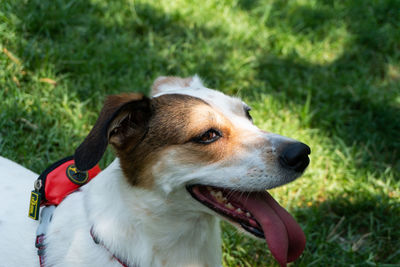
295,156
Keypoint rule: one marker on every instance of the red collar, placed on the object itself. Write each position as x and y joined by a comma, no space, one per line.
53,185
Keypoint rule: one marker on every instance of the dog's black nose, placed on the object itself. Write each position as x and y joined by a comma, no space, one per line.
295,156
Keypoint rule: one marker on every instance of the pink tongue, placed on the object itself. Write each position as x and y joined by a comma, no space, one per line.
284,236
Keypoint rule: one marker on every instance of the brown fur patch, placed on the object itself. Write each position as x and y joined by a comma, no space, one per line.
167,127
170,80
176,121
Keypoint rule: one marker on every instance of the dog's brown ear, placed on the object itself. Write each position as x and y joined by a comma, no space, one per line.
122,122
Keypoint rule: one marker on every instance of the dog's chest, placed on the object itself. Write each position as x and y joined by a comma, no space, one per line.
147,240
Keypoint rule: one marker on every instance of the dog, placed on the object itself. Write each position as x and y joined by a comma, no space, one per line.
185,158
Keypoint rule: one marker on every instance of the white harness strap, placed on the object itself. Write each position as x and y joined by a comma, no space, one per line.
45,218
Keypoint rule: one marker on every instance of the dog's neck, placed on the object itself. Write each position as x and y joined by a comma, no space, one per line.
150,227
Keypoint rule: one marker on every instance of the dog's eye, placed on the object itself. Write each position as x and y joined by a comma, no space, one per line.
208,137
247,111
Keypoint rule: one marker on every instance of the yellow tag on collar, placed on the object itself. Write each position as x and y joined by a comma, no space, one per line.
34,205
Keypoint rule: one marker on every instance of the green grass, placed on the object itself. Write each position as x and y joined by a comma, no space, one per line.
321,71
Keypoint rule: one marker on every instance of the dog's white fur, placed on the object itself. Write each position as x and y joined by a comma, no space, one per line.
161,226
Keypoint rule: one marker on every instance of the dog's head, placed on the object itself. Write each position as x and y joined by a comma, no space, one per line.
202,143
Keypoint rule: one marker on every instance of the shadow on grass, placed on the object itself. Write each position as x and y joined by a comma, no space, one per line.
105,50
351,229
353,97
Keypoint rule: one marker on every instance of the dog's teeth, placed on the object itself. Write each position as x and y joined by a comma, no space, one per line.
224,199
219,197
248,214
238,210
229,206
